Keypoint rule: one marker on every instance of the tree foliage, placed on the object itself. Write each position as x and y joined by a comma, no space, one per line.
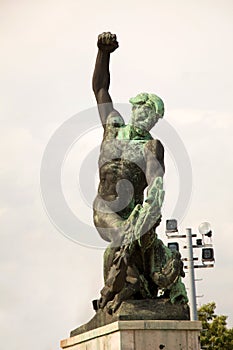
215,334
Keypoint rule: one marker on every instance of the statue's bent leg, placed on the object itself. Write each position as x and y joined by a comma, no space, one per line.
130,288
178,294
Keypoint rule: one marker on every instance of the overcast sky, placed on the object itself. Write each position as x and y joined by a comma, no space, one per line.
180,50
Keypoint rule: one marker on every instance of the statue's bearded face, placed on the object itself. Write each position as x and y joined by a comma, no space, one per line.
143,117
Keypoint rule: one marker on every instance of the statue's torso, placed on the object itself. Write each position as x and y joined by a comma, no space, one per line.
125,144
122,156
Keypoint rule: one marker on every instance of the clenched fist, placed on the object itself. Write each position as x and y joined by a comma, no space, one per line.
107,42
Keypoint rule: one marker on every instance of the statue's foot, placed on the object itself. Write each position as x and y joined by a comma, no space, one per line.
113,305
181,299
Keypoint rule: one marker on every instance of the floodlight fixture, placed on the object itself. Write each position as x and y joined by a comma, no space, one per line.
171,226
207,254
173,246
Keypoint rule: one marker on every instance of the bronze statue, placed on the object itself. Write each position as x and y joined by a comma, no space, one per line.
136,264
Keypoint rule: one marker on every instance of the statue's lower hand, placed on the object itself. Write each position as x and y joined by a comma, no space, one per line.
107,42
170,272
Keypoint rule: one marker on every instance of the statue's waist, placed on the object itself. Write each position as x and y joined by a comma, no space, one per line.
123,168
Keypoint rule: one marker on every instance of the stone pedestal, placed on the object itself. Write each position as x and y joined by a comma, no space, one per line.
138,335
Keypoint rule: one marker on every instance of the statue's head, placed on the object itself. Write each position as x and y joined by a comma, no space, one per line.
146,110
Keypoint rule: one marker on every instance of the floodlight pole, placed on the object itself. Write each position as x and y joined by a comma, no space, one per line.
190,265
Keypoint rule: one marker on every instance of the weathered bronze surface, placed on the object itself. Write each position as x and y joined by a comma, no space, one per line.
146,309
137,265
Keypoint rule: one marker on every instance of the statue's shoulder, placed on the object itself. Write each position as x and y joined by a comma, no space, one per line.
114,122
114,119
154,143
155,147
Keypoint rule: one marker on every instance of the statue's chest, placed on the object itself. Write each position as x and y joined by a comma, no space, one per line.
130,150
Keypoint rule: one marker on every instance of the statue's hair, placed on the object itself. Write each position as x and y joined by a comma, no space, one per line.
151,100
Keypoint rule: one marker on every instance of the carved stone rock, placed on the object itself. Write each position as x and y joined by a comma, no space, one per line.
147,309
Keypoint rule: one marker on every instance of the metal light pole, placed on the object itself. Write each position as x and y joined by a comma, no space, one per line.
190,265
207,255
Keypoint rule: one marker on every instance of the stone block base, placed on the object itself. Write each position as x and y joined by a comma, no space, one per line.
138,335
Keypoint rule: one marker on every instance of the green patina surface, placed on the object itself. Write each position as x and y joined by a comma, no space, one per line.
150,100
136,264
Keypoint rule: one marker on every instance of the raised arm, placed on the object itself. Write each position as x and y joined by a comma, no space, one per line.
107,43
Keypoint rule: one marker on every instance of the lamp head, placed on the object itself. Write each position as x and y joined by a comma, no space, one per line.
205,229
